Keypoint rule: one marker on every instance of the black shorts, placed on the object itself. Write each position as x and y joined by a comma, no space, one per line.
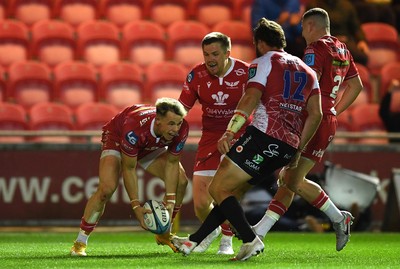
259,155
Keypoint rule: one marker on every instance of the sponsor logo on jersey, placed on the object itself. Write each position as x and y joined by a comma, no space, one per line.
257,159
309,59
271,151
340,63
131,137
208,84
239,149
219,113
147,112
220,98
252,165
232,85
318,153
190,76
252,71
291,107
239,72
143,121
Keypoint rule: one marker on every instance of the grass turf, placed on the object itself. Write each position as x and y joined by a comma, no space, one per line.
139,250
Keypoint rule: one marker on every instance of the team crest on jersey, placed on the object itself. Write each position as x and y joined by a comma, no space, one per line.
190,76
220,98
131,137
231,85
252,71
239,72
309,59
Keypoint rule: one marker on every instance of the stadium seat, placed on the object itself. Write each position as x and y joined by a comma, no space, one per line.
51,116
14,44
12,118
241,38
365,76
92,116
3,85
195,117
53,42
165,12
30,12
75,83
98,42
184,42
365,118
242,11
144,42
210,12
164,79
75,12
122,84
3,10
344,125
388,72
29,83
384,45
123,11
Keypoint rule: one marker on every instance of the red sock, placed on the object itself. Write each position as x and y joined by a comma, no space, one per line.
320,201
226,229
87,227
277,207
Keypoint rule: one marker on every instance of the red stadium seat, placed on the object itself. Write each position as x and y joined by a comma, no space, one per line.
344,125
3,10
365,118
165,79
211,12
51,116
14,45
98,42
75,12
29,83
30,12
53,42
122,12
242,10
384,45
389,72
241,39
75,83
144,42
122,84
3,85
365,77
92,116
184,42
12,118
165,12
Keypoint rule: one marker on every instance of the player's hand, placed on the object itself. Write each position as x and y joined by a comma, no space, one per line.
139,213
295,160
224,143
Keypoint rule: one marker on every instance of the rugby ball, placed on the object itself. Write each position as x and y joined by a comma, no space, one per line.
158,221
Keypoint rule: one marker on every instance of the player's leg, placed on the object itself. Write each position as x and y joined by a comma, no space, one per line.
109,171
155,165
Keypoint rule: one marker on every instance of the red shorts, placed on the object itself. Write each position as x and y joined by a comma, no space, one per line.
207,156
320,141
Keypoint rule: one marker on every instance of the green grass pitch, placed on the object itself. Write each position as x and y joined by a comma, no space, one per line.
139,250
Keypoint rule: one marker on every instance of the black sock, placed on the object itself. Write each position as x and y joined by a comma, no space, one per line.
235,214
213,220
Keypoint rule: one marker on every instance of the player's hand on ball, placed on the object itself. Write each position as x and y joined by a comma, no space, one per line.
139,213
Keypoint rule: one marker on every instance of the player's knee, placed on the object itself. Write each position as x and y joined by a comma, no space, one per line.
105,191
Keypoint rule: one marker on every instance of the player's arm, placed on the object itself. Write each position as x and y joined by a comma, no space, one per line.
131,186
354,87
311,124
244,108
171,180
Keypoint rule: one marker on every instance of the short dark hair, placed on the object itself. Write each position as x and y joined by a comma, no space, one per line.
221,38
320,14
270,32
165,104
